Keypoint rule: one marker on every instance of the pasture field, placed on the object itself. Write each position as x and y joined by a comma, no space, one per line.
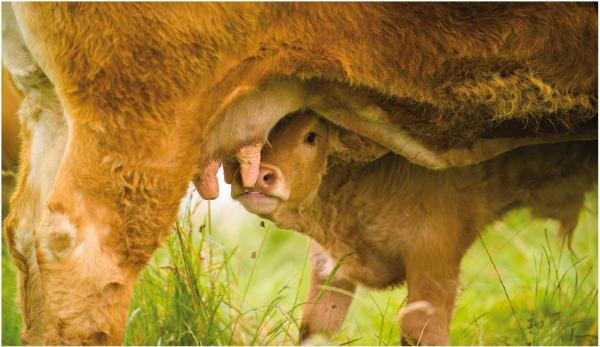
227,277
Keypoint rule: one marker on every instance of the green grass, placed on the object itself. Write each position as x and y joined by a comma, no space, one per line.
11,318
211,285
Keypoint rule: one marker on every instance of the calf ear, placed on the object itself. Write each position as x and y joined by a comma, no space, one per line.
351,147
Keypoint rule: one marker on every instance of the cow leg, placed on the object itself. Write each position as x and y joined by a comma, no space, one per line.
43,140
325,309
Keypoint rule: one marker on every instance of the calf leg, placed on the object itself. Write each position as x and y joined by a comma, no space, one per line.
426,319
326,308
432,269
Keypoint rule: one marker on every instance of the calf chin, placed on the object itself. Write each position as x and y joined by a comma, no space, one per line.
258,203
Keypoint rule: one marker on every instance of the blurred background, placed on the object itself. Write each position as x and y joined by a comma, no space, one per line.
226,277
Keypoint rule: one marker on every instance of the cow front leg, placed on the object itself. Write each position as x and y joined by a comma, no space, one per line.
327,303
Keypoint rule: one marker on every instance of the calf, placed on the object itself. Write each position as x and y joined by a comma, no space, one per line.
388,221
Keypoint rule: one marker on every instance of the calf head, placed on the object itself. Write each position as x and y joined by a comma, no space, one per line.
300,148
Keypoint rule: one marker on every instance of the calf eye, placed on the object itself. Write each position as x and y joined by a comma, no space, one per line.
311,138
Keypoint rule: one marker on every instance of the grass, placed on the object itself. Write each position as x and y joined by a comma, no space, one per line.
216,283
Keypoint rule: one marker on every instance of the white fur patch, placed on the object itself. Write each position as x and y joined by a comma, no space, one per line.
49,134
90,244
15,55
327,266
49,138
423,306
323,260
24,237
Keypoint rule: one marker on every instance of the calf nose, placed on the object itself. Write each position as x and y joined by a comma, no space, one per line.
267,179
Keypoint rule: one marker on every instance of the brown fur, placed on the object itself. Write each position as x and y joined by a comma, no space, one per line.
10,137
390,221
144,86
12,99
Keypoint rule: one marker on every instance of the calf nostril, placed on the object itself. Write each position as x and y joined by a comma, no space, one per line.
268,177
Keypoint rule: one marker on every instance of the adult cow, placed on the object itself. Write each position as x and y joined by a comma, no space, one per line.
126,103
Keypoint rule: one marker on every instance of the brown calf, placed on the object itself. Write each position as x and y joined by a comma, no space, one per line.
390,221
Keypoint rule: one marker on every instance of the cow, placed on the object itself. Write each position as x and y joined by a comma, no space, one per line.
125,104
386,221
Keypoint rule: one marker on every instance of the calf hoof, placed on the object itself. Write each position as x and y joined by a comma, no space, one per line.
310,337
315,339
424,340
